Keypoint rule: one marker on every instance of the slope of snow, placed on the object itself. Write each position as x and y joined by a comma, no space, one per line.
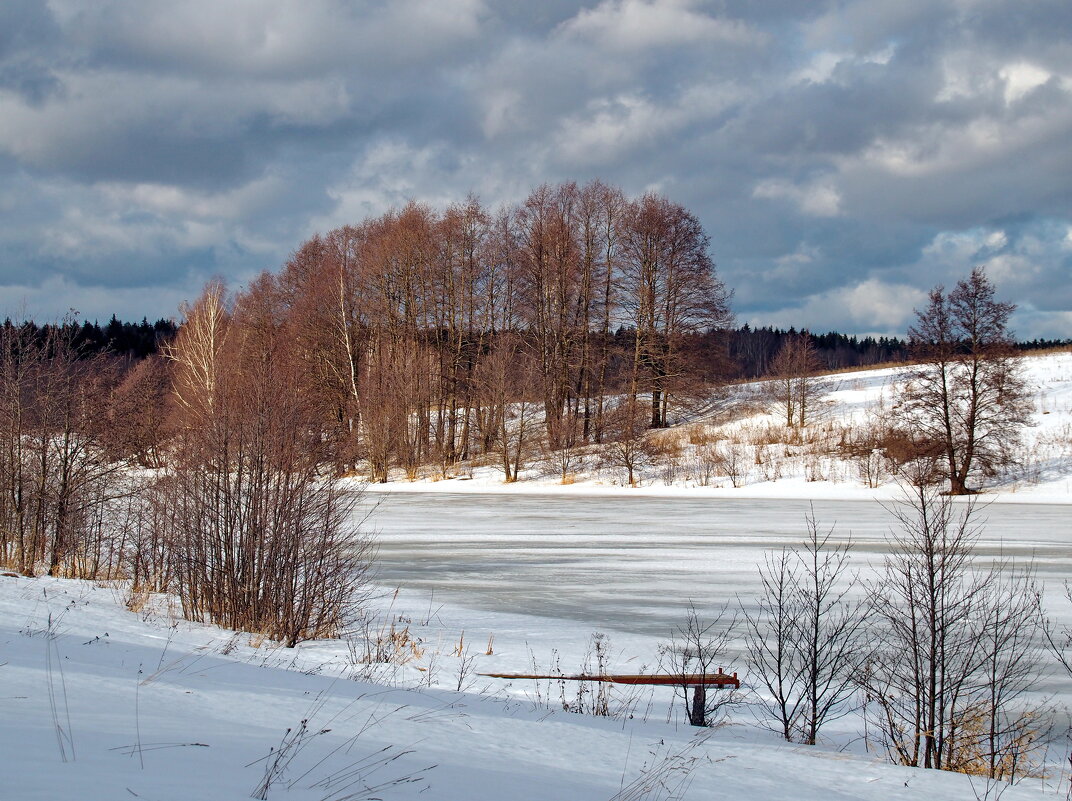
100,703
1043,473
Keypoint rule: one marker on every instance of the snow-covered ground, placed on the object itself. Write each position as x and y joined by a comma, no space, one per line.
773,468
97,702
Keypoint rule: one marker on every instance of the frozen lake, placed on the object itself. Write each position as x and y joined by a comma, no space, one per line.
634,564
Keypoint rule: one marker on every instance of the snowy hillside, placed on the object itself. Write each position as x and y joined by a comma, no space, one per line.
769,460
103,703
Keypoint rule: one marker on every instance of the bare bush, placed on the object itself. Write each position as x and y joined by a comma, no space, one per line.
264,542
704,464
733,462
628,445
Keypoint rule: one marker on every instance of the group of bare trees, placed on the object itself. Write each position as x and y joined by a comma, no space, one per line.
941,651
955,648
794,388
964,402
62,492
417,338
266,544
423,333
234,514
944,650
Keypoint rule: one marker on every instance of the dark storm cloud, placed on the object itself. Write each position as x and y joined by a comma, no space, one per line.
844,157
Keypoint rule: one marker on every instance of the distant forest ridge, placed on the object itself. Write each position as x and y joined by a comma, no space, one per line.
750,350
133,340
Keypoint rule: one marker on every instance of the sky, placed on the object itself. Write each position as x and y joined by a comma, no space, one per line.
844,157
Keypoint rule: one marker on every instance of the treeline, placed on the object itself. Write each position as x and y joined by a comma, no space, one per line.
115,338
731,353
752,351
1043,344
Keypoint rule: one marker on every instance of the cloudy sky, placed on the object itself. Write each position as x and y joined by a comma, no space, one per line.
844,156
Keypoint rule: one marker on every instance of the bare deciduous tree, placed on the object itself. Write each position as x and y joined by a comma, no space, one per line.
507,381
698,649
803,641
953,648
967,395
670,289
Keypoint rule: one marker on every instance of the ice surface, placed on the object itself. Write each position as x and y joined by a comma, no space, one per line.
635,563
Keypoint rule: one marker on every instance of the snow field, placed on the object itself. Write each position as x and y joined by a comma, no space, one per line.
102,703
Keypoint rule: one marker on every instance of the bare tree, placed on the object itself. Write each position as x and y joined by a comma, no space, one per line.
262,541
669,289
793,388
197,351
953,648
803,641
507,383
967,395
556,291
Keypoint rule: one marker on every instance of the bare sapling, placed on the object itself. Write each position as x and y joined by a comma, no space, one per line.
804,639
954,654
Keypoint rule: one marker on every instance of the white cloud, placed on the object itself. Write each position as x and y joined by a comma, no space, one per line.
884,305
872,306
143,223
817,199
610,128
1021,78
170,200
823,64
392,172
636,25
283,38
959,251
